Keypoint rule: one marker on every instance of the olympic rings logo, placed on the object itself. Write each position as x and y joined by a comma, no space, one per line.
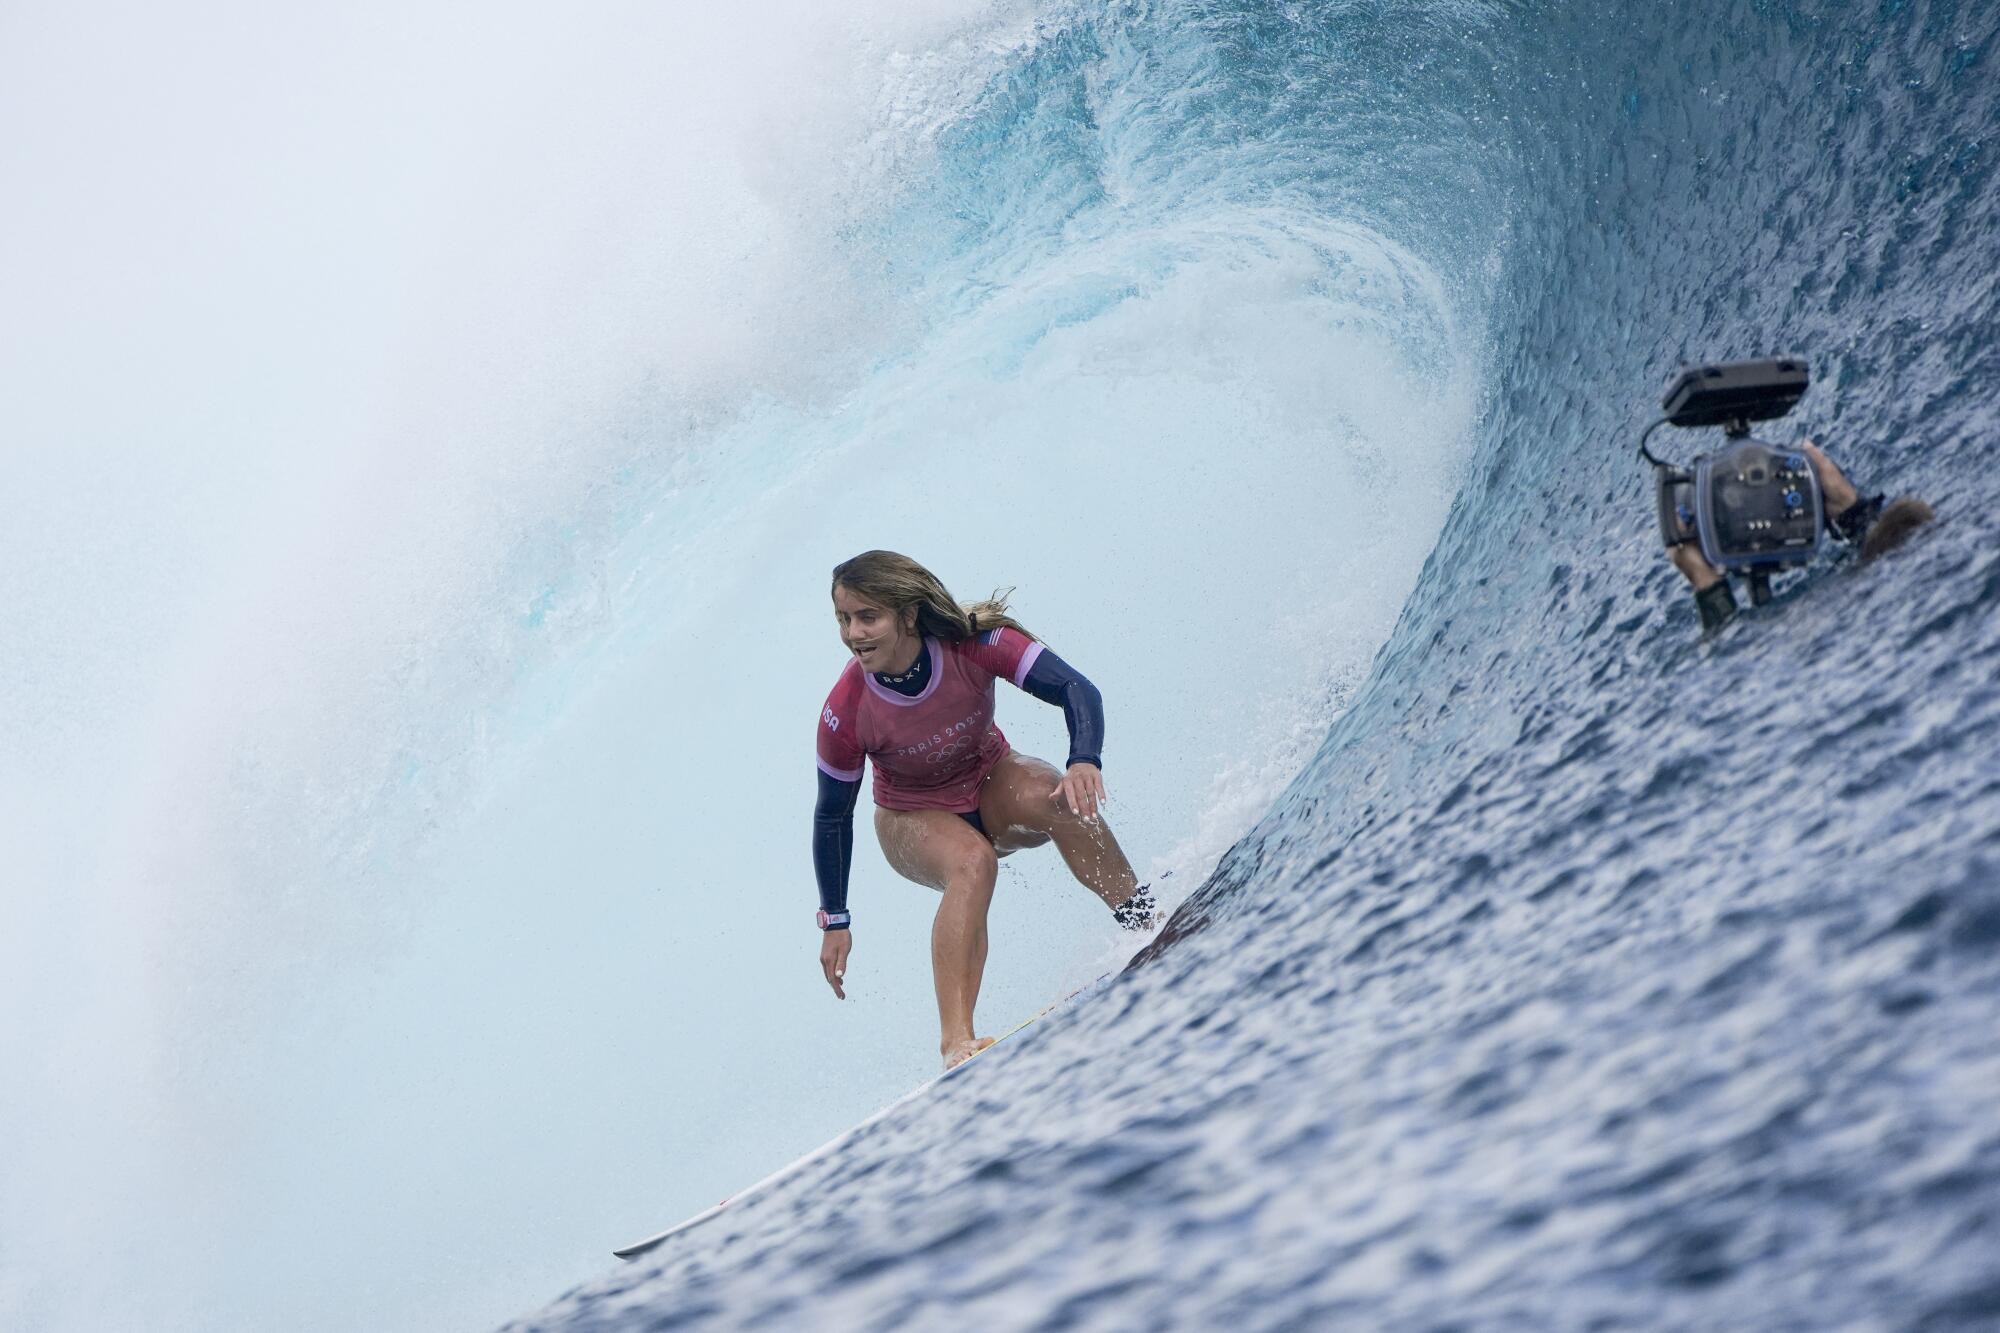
951,751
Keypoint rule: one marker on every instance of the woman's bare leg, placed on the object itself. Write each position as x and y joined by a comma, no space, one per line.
1019,809
941,851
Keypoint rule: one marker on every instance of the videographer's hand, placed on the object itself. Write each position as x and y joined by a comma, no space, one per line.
833,948
1688,559
1834,486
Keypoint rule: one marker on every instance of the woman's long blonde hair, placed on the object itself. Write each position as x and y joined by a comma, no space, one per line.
899,583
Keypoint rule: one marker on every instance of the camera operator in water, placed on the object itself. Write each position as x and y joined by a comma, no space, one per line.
1752,508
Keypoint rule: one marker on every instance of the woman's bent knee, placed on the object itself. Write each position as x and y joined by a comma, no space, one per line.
975,871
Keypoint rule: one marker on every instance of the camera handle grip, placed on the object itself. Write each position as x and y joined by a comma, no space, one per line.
1673,490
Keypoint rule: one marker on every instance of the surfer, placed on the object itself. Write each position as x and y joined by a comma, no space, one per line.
951,796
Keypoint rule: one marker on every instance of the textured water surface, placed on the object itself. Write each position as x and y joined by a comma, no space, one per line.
1592,974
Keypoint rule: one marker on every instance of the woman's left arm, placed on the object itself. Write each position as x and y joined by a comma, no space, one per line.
1055,681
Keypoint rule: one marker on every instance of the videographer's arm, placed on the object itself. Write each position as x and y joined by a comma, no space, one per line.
1834,487
1874,524
1848,512
1712,595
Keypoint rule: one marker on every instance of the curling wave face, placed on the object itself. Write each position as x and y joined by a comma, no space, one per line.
1588,972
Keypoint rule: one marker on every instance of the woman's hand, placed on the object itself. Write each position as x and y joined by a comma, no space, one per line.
1081,789
833,948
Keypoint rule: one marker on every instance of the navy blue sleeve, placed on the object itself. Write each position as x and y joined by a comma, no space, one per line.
833,839
1055,681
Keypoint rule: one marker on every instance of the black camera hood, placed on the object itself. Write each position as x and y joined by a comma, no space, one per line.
1735,391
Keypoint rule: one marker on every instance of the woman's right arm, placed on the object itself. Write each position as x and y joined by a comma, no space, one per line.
840,757
833,855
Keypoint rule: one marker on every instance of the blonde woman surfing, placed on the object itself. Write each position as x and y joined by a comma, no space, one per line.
951,796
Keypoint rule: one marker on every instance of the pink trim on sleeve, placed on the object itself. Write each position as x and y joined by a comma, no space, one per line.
838,774
1027,662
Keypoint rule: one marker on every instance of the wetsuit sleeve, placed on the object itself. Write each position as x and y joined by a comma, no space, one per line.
840,757
1013,656
1055,681
833,839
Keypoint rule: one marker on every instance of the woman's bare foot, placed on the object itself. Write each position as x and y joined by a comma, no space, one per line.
957,1053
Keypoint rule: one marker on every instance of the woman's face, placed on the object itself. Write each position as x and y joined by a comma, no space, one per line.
874,633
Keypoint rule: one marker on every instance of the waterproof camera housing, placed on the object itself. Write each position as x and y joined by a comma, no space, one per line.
1751,506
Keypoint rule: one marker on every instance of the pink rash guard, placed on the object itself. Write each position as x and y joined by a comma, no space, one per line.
933,751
